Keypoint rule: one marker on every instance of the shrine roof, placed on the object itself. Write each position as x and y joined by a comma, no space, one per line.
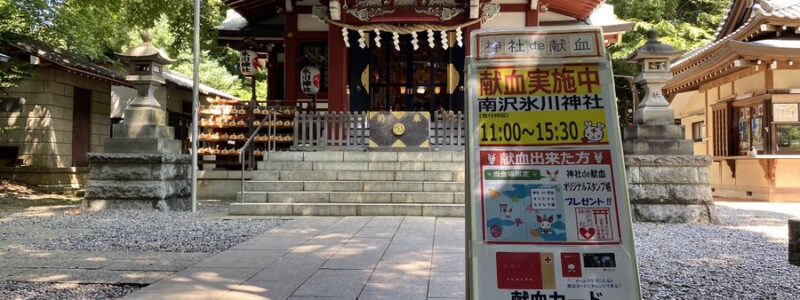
185,82
746,31
789,10
579,9
255,11
67,61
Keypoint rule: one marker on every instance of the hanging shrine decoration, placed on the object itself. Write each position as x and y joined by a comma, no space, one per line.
372,8
364,10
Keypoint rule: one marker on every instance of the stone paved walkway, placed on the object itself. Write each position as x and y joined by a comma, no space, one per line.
331,258
93,267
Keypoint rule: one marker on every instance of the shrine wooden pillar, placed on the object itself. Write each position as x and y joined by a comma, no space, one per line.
274,77
338,99
532,14
290,63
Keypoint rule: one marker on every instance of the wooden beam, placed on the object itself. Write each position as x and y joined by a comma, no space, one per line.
768,27
741,63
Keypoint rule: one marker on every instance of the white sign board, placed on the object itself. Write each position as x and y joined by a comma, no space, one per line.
248,63
784,112
548,211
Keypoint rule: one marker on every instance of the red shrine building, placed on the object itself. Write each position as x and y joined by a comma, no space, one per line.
392,55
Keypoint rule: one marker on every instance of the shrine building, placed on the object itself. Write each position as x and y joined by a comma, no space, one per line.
398,55
738,99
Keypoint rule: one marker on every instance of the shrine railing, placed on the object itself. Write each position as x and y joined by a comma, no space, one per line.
448,131
320,131
317,131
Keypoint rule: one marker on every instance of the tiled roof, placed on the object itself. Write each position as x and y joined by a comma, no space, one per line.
185,82
788,9
725,19
68,60
785,9
74,62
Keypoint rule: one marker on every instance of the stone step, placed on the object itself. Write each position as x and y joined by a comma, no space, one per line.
332,175
658,147
346,209
359,166
646,132
354,197
359,156
354,186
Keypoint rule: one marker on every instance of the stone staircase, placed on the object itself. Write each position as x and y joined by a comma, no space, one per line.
342,183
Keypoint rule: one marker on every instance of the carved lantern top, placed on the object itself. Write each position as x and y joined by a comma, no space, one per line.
145,62
146,51
654,55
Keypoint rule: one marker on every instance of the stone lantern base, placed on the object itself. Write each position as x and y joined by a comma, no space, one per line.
138,181
141,168
670,189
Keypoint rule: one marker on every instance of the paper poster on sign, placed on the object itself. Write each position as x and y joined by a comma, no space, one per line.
548,210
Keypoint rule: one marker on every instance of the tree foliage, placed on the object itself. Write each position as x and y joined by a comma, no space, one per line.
683,24
98,28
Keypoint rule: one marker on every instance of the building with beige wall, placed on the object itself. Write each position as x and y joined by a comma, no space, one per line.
738,99
56,115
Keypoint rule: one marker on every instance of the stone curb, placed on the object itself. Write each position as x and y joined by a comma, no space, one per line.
667,160
139,158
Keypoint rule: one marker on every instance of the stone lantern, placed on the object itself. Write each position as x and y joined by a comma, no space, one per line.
653,59
142,165
667,183
145,66
655,131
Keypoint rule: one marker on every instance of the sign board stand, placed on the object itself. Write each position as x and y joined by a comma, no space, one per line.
548,215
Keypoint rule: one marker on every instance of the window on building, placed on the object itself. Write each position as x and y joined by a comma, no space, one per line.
769,128
698,131
751,128
723,118
787,128
8,156
744,129
757,127
10,104
787,138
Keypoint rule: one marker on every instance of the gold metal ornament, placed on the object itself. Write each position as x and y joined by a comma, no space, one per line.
398,129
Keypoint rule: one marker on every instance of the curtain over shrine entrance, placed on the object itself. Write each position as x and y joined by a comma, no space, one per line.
422,79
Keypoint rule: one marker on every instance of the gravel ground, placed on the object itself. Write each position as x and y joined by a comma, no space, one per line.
744,258
145,231
117,231
45,291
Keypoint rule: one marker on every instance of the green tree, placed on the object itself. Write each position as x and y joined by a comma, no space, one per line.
96,29
215,71
683,24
